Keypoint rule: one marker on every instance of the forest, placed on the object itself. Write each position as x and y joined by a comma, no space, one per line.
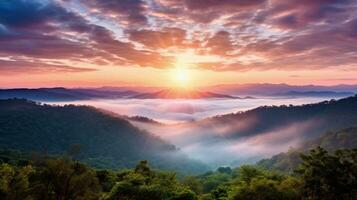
178,99
320,175
59,153
105,140
331,141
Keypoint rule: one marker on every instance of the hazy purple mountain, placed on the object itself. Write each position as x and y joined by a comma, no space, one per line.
182,94
314,94
63,94
271,89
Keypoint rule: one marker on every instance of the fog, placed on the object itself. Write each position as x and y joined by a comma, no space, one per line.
181,110
214,146
211,143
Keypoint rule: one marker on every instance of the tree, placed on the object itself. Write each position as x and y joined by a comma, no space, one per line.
247,173
193,183
14,182
143,168
220,193
226,170
326,176
142,183
184,195
255,183
63,179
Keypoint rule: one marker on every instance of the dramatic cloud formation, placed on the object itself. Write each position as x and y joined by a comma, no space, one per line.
241,35
130,10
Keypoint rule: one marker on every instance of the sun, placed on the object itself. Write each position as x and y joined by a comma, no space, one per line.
180,72
184,70
180,76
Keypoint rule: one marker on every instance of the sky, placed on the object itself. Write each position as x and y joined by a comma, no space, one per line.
177,43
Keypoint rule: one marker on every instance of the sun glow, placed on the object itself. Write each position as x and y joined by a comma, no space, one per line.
180,77
184,73
181,72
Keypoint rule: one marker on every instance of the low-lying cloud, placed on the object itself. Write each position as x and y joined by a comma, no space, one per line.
215,141
214,148
181,110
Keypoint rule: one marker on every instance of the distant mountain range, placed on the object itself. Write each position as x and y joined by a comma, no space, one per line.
314,94
105,140
182,94
272,89
64,94
244,91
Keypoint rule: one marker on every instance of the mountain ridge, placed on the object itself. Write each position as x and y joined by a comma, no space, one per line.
271,89
331,141
270,117
182,94
105,140
62,94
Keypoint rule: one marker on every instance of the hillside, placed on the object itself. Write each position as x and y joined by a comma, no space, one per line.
248,136
331,141
105,140
308,120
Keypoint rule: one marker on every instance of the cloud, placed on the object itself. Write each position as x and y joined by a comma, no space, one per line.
295,13
49,31
205,11
322,48
243,34
209,4
132,11
220,43
15,67
160,39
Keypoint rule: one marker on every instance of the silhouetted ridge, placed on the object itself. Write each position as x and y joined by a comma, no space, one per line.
181,94
63,94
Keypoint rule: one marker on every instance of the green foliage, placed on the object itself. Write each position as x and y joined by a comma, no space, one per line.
226,170
326,176
193,183
185,195
52,179
65,179
255,183
323,116
28,126
14,182
90,135
264,188
106,179
220,193
212,180
331,141
144,184
13,157
321,176
247,173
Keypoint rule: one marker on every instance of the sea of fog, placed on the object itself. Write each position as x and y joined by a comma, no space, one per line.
181,110
206,144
